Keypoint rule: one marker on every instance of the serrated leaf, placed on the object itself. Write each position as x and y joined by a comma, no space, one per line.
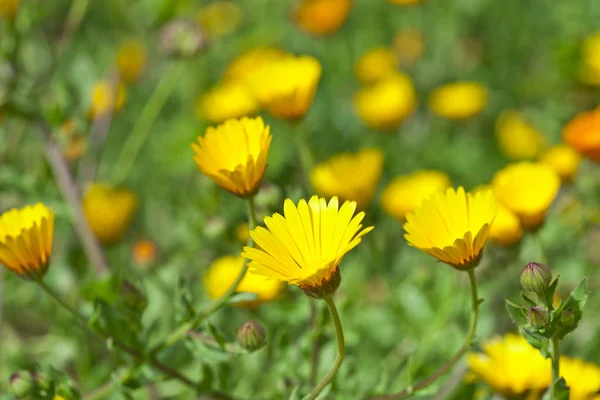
516,313
561,391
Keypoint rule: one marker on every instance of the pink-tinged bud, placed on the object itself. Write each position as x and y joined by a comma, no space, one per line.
251,336
536,277
538,317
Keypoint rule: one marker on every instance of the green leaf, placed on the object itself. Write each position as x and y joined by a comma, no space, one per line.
538,341
219,337
568,316
105,289
517,314
561,391
549,292
206,382
528,300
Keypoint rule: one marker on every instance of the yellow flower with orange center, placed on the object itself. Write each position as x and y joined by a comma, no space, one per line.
563,160
131,60
223,272
517,139
452,226
109,211
219,18
408,45
305,246
106,99
349,176
527,189
583,134
458,100
26,240
375,64
386,103
322,17
406,192
590,65
234,154
226,100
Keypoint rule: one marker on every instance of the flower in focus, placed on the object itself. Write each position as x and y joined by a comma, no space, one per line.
26,240
109,210
583,378
234,154
131,60
246,65
322,17
242,232
305,246
386,103
409,46
527,189
517,139
9,8
590,68
452,226
226,100
286,87
144,252
563,160
375,64
458,100
511,366
223,272
405,2
349,176
219,18
583,134
406,192
106,99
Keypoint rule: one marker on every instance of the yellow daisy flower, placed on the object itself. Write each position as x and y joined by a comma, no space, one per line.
322,17
350,176
226,100
223,272
517,139
305,246
26,240
506,229
452,226
375,64
583,378
131,60
234,154
527,189
247,64
563,160
106,99
286,87
458,100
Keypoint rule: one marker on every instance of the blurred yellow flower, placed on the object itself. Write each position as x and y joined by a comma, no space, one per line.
583,378
590,68
26,240
234,154
405,2
583,134
286,87
223,272
527,189
406,192
511,366
322,17
517,139
247,64
305,246
131,60
105,99
458,100
219,18
9,8
144,252
229,99
506,229
242,232
563,160
109,210
349,176
452,226
386,103
409,45
375,64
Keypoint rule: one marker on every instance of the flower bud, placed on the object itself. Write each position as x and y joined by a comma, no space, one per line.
538,317
251,336
21,384
567,317
182,38
133,297
536,277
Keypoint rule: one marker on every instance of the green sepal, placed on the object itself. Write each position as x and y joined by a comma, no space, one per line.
561,390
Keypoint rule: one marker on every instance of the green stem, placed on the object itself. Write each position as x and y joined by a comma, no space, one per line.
446,367
141,128
341,348
555,365
182,330
307,160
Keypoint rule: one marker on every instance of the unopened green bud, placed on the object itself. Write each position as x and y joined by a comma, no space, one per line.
538,317
536,277
133,297
251,336
21,384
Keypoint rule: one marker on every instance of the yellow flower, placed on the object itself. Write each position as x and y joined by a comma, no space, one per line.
222,274
109,211
405,2
350,176
286,87
229,99
583,378
458,100
527,189
26,240
517,139
453,226
234,154
305,246
375,64
409,45
590,68
247,64
583,134
386,103
131,60
242,232
9,8
220,18
105,100
322,17
506,229
511,366
406,192
563,160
